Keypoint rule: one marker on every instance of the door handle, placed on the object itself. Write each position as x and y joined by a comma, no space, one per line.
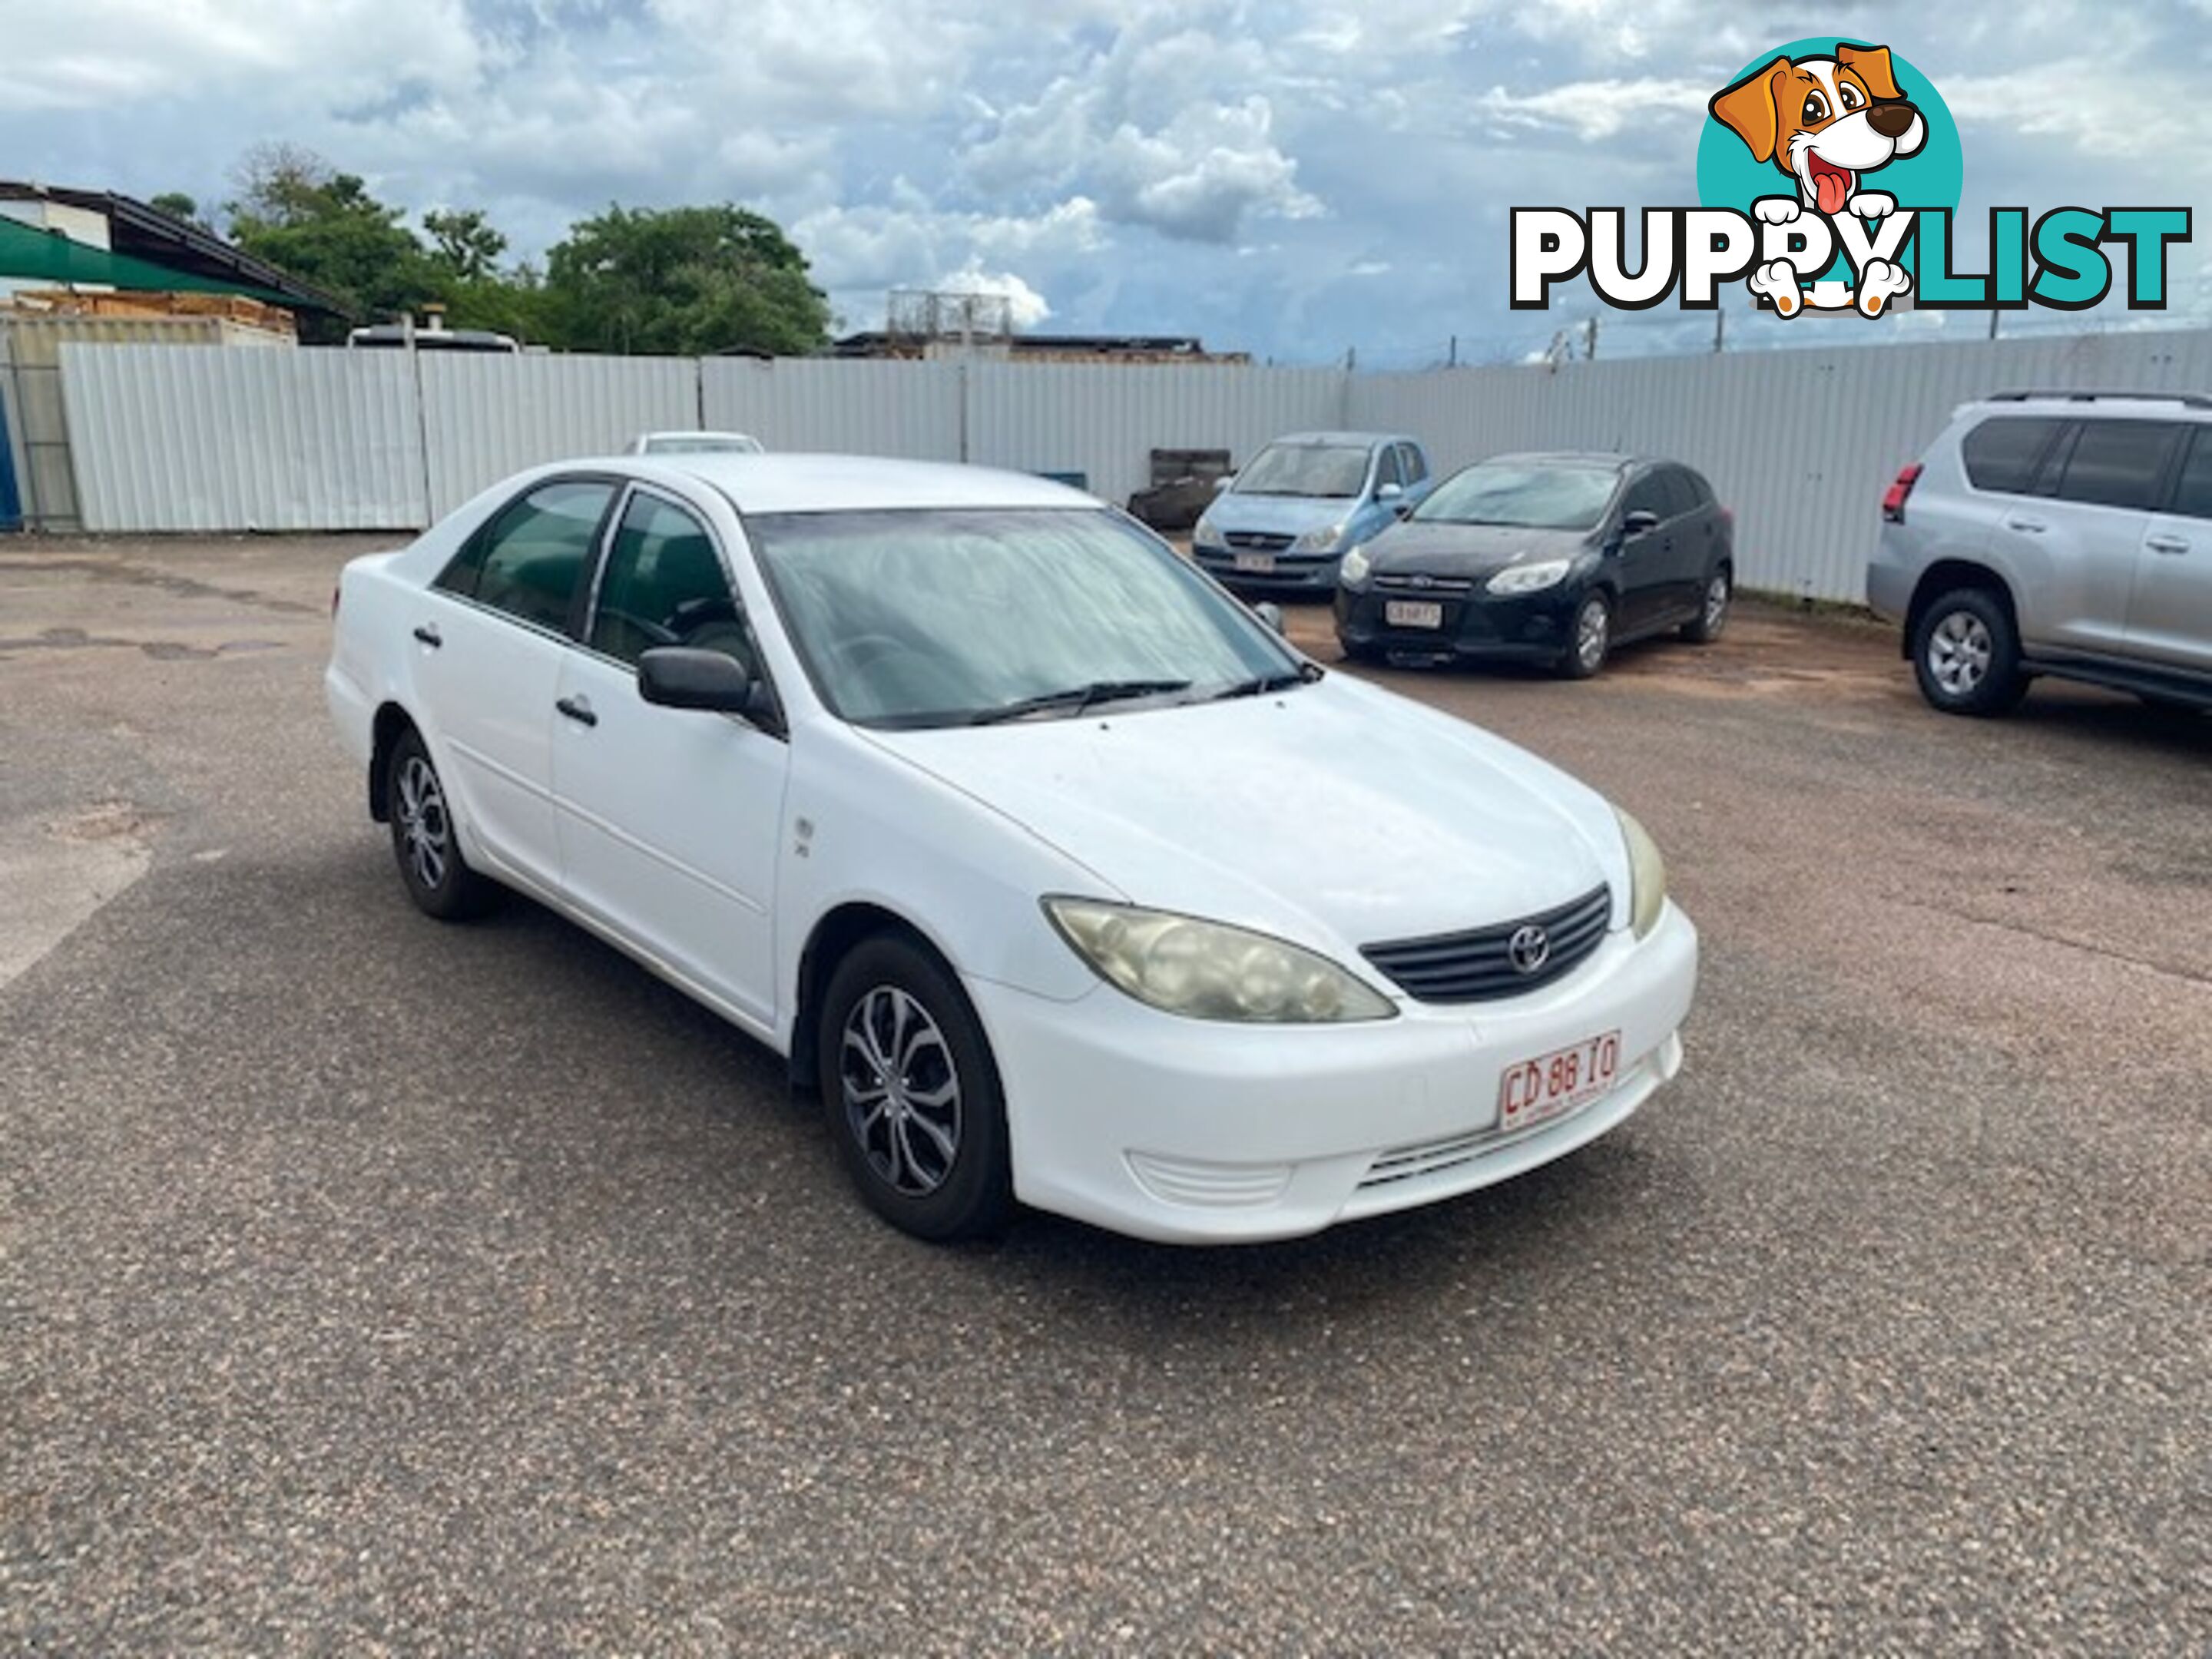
2031,526
2167,543
427,632
578,709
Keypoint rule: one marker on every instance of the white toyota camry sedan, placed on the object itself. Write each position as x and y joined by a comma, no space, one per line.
1063,877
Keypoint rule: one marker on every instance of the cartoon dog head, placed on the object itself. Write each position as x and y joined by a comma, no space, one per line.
1823,121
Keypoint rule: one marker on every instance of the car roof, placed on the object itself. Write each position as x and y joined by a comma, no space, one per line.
1605,458
1362,440
844,483
2084,404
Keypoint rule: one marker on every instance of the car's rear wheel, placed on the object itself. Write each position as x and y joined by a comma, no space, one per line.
1712,610
1593,638
423,841
912,1095
1966,653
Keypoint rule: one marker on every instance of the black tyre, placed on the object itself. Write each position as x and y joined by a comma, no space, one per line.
1372,654
437,877
1593,638
911,1094
1713,609
1966,653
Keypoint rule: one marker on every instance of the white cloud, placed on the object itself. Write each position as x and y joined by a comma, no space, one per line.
1596,110
1025,307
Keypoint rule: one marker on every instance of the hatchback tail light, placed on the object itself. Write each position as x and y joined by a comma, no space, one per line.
1892,500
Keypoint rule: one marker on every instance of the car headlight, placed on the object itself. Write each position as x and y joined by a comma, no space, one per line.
1353,571
1530,577
1203,534
1647,876
1209,970
1318,541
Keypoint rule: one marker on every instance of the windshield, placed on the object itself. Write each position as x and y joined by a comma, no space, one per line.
1531,495
1305,469
945,617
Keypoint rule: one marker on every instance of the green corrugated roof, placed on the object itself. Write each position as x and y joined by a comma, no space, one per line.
29,253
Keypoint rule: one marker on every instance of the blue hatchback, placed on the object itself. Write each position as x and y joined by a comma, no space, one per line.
1283,524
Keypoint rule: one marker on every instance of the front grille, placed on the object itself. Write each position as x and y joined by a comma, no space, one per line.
1425,584
1261,541
1478,966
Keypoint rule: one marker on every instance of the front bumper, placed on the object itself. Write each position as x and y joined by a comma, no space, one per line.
1534,628
1295,575
1196,1131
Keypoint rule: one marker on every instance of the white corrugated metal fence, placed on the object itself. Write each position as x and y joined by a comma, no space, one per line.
1800,443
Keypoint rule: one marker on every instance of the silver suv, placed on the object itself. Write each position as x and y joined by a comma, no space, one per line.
2054,533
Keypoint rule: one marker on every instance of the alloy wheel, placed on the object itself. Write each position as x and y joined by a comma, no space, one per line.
1717,604
1960,650
1592,626
902,1090
425,826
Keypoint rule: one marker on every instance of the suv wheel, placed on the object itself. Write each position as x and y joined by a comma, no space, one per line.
1967,654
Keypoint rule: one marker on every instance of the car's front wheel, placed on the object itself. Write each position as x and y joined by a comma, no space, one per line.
423,841
1966,653
912,1093
1593,638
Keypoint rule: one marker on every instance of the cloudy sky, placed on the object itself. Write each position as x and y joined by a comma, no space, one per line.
1292,179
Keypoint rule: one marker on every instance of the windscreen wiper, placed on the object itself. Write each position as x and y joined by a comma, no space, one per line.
1075,698
1259,685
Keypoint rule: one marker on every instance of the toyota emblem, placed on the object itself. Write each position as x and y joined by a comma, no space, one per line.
1530,949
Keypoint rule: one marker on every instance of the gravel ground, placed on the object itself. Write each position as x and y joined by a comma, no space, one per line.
368,1283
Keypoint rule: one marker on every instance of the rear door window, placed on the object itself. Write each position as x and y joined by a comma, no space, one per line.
1412,463
2118,463
2001,453
529,561
1386,467
2192,491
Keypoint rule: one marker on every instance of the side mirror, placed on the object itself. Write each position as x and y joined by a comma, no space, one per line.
1639,521
681,676
1224,482
1402,509
1270,613
1389,492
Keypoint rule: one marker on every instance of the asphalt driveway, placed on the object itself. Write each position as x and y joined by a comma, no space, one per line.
368,1283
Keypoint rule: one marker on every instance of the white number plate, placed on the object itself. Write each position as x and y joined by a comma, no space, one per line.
1259,564
1552,1084
1413,613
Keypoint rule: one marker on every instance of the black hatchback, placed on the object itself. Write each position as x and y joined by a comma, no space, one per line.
1552,559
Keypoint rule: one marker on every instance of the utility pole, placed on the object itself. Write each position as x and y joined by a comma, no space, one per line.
1994,314
1351,359
1454,362
1720,328
1590,340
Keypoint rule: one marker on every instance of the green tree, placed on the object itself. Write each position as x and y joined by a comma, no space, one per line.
178,205
465,242
682,282
298,213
